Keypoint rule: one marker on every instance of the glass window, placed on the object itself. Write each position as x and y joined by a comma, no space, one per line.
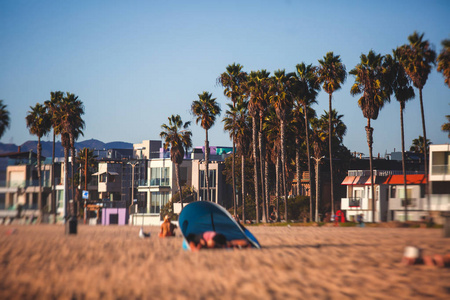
165,176
102,177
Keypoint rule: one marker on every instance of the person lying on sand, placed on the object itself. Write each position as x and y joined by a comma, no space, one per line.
212,239
167,228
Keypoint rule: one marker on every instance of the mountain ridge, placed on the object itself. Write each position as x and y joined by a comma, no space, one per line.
59,150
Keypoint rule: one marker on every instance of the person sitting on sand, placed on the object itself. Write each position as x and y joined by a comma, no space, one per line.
212,239
167,228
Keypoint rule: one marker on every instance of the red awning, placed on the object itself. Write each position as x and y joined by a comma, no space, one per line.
348,180
410,179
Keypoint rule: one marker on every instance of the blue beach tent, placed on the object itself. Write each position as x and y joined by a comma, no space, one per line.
198,217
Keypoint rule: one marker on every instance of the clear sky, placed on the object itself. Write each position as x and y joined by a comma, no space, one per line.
135,63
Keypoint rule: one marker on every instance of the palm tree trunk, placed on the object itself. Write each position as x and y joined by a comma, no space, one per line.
255,168
66,184
403,162
369,134
266,185
297,163
283,166
74,200
39,149
261,167
331,156
243,185
309,160
206,165
54,206
317,189
233,177
277,186
177,174
425,153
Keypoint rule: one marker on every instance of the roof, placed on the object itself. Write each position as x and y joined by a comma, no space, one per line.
410,179
391,179
362,180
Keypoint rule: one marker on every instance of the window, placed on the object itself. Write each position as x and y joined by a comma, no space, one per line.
393,189
157,201
102,177
159,176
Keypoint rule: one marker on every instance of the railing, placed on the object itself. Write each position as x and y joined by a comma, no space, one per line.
410,202
440,169
354,202
380,172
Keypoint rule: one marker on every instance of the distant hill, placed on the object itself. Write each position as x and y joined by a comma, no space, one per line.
59,150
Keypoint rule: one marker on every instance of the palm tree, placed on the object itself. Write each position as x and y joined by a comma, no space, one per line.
233,81
272,129
53,107
39,124
418,59
331,74
178,137
306,91
4,118
446,126
206,110
69,125
443,61
87,162
282,101
236,122
257,86
338,128
370,81
400,86
418,145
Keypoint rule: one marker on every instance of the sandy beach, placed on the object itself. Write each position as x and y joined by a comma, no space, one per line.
41,262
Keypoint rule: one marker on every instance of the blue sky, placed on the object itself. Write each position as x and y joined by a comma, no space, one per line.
135,63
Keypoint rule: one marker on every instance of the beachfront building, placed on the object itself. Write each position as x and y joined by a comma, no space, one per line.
20,188
439,179
389,195
154,192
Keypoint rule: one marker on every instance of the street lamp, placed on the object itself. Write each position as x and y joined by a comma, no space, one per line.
133,164
316,217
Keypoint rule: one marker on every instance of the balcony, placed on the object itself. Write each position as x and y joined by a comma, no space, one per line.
354,202
440,169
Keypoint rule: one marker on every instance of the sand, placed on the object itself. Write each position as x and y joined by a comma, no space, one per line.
111,262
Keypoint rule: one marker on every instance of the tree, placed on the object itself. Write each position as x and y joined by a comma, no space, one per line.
257,86
370,82
282,101
87,162
39,124
332,74
53,107
418,59
443,61
4,118
233,81
446,126
69,125
418,145
236,122
178,137
338,128
305,92
206,110
400,86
